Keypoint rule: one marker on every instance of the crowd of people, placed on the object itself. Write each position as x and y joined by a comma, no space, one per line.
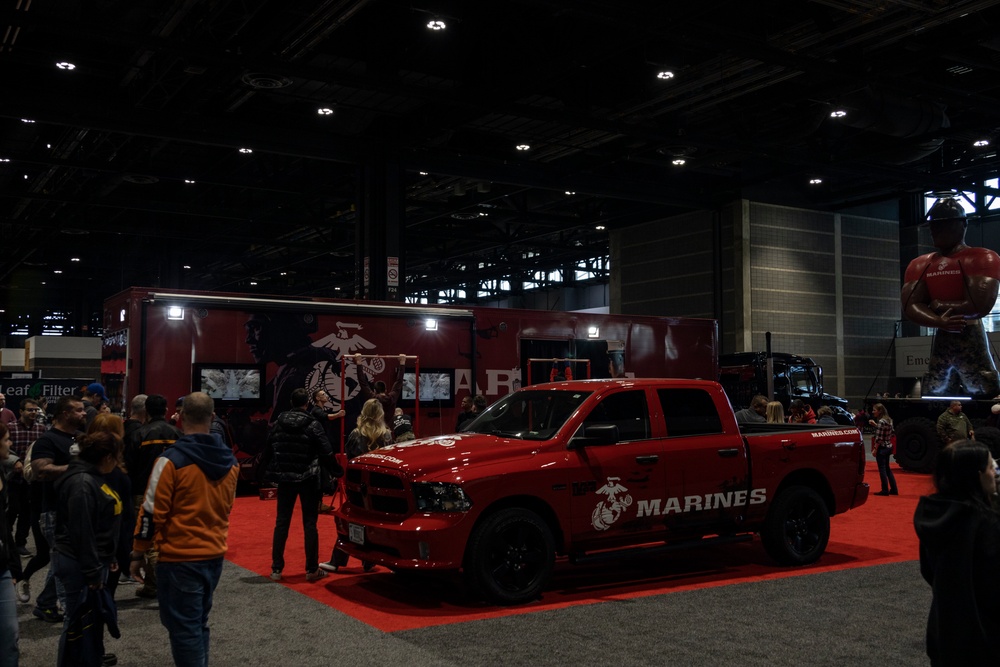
99,494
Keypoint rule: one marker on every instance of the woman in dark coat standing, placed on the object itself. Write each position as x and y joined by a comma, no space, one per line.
87,526
959,533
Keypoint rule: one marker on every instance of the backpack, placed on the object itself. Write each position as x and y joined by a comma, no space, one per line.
28,471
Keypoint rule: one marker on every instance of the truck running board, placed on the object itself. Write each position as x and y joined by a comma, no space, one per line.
635,551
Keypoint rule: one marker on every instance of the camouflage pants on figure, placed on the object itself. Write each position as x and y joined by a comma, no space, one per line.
148,588
961,364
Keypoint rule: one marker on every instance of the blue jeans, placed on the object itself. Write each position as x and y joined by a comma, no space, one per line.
884,472
9,633
309,492
53,591
184,591
75,584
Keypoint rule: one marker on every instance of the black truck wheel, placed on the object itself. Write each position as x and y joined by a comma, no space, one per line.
510,556
797,527
917,444
990,436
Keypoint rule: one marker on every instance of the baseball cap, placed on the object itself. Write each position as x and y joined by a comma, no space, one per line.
97,389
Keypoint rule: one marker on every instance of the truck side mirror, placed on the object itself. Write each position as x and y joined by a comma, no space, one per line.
598,434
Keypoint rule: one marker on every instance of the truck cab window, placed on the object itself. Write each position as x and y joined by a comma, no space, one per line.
626,410
689,412
803,380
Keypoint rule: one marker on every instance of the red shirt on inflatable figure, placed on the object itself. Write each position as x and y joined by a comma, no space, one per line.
951,290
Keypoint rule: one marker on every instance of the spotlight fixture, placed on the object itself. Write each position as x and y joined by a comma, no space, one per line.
593,332
175,313
324,111
69,67
57,271
436,24
74,259
4,159
186,266
422,173
664,75
27,120
980,143
599,228
815,181
431,325
253,282
678,162
188,180
838,113
570,193
523,147
246,151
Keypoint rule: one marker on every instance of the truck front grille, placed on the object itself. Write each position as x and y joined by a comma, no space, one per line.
375,491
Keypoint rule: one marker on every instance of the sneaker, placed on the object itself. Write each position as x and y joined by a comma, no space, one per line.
316,575
23,589
109,660
23,550
48,615
275,575
328,566
125,580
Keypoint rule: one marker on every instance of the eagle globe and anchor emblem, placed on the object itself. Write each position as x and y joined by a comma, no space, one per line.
610,509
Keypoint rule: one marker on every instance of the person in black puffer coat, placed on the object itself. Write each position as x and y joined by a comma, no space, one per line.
296,448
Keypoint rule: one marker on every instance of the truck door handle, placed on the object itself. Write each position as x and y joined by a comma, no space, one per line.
788,444
646,460
728,453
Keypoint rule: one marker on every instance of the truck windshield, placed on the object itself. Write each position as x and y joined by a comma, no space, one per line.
529,415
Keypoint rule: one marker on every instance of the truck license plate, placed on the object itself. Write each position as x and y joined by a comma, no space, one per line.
356,533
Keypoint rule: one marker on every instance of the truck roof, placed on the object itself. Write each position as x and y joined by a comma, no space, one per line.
592,384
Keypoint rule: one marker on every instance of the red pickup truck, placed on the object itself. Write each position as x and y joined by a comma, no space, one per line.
597,469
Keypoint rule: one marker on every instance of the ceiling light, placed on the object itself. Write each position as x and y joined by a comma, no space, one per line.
246,151
570,193
431,324
599,228
175,313
188,180
324,111
523,147
186,266
838,113
253,282
593,332
665,75
283,273
422,173
4,159
74,259
27,120
57,271
336,289
66,66
981,143
815,181
48,145
678,162
436,24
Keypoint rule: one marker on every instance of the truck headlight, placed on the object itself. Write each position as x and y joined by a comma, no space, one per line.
440,497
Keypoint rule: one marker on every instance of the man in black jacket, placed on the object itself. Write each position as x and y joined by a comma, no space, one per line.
296,447
142,448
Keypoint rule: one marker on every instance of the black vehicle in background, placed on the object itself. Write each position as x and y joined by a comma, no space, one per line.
745,374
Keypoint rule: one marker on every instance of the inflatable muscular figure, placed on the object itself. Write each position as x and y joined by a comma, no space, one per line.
951,290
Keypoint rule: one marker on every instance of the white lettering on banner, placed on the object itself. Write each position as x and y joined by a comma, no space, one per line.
700,503
500,378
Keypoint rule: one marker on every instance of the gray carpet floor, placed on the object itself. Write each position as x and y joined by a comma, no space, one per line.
865,616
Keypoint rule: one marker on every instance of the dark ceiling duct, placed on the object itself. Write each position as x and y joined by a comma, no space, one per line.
893,115
900,117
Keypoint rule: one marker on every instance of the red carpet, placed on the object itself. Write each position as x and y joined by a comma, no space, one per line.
879,532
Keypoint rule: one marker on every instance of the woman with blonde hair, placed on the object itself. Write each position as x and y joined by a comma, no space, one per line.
371,432
775,413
